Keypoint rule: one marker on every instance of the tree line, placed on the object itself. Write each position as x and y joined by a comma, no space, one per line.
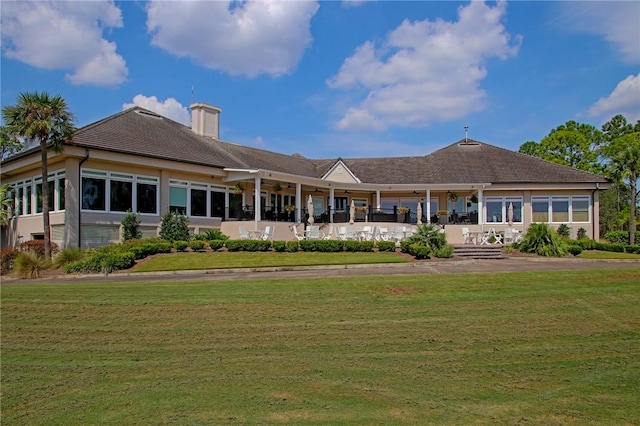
613,152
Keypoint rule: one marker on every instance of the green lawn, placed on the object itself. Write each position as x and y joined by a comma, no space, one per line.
194,261
546,348
594,254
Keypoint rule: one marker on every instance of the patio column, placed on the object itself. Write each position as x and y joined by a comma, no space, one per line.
428,205
377,199
332,203
480,203
298,200
256,199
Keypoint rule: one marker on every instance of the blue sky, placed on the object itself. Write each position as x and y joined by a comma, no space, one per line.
335,79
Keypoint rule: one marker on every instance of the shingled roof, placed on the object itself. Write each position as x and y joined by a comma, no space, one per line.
466,161
141,132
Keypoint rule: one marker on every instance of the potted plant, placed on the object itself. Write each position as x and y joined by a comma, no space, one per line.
403,210
239,188
289,208
453,197
277,188
361,209
474,198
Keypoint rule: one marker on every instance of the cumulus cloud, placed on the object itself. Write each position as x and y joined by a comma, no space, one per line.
169,108
238,37
616,21
425,71
625,100
65,35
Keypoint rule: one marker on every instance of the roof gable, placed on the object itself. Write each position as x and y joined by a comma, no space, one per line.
339,172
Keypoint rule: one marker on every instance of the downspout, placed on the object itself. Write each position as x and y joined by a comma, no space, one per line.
86,157
593,222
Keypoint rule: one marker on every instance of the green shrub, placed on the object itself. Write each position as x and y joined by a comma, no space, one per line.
174,227
293,246
428,235
586,243
38,247
68,255
7,257
617,237
279,246
386,246
214,234
308,245
102,261
130,226
575,249
29,264
356,246
582,233
197,245
419,251
541,240
444,252
248,245
180,245
330,246
564,230
216,244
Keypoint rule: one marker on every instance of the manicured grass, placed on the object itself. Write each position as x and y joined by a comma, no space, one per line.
193,261
546,348
594,254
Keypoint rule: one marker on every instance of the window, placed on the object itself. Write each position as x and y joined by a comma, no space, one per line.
217,202
94,190
516,204
38,195
494,209
560,209
178,197
126,192
540,209
580,209
146,195
20,199
198,199
121,198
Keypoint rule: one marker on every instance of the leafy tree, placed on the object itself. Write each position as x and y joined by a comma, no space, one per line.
8,145
44,119
572,144
623,155
6,204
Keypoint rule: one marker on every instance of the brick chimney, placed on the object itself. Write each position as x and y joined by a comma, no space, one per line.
205,120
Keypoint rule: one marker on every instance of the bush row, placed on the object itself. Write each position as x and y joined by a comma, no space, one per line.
621,237
587,244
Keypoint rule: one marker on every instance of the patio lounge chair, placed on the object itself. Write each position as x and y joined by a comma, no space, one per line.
299,237
244,233
268,232
313,232
466,235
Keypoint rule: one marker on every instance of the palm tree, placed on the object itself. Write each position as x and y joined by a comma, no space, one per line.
6,204
45,119
624,155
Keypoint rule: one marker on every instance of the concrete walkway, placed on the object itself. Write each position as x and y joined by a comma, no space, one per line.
448,266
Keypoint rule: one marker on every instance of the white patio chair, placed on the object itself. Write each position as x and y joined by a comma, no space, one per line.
329,234
367,233
342,233
244,233
466,235
383,233
509,236
298,237
398,233
269,230
313,232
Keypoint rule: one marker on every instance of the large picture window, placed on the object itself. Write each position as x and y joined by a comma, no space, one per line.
178,197
198,200
217,203
125,192
560,209
497,209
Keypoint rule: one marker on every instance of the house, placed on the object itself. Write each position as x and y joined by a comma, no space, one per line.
138,160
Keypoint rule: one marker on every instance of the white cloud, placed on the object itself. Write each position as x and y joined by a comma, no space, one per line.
239,37
616,21
425,71
170,108
625,100
65,35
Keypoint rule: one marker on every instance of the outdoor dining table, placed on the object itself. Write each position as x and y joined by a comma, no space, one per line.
475,237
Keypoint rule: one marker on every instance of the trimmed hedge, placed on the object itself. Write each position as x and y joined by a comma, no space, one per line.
386,246
102,261
216,244
197,245
180,245
622,237
354,246
248,245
